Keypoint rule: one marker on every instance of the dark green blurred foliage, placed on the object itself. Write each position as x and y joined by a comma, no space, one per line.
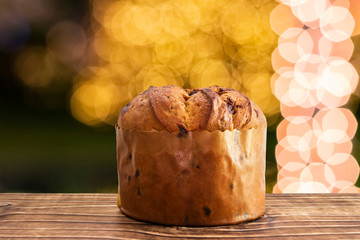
49,151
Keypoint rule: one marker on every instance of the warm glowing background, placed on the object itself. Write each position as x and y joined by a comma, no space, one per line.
65,60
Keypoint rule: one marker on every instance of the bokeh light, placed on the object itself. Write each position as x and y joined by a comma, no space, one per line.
294,43
67,41
308,11
313,79
97,100
277,16
337,23
36,67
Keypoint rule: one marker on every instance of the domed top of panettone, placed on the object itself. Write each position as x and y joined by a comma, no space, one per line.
172,108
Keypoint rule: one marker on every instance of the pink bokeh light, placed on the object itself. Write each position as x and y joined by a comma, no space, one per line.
309,10
337,23
312,79
294,43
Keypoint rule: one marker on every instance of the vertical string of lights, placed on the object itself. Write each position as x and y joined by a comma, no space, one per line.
313,79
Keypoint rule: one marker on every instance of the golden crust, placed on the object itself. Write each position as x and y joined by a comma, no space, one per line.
173,109
138,114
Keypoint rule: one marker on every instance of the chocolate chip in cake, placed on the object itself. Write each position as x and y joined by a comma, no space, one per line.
186,220
230,105
139,192
129,158
182,172
183,132
207,211
129,178
193,92
222,90
197,166
232,186
137,173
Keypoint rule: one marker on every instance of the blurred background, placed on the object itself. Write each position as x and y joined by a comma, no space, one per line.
68,67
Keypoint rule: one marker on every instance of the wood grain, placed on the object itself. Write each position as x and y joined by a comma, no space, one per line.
96,216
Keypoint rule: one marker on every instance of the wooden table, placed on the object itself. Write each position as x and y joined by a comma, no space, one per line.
96,216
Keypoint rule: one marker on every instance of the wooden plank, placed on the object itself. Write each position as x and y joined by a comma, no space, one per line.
96,216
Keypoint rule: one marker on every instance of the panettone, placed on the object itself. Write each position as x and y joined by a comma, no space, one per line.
193,157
